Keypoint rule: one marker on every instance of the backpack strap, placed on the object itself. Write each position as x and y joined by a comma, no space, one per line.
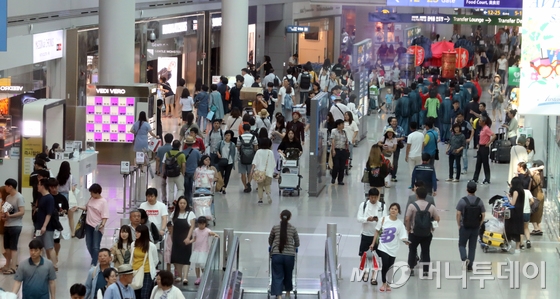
365,204
416,206
427,209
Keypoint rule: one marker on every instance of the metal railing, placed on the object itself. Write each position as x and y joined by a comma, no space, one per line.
210,281
231,282
329,279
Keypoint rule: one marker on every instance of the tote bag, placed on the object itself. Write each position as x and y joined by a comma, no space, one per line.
138,276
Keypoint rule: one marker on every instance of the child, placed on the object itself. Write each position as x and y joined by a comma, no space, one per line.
121,250
168,246
389,100
201,246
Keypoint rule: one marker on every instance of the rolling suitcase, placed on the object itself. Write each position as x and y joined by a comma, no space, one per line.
493,239
501,148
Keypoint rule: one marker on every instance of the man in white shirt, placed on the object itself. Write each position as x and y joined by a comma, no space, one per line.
156,210
338,109
249,80
369,213
502,67
270,78
414,147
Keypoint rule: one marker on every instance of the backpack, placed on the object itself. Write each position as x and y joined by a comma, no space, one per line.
288,102
422,221
472,214
276,82
290,80
172,167
305,81
484,59
246,151
155,233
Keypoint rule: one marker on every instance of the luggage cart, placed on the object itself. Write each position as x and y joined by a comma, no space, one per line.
490,238
203,202
294,276
289,180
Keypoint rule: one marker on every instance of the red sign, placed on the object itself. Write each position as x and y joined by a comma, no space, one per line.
418,53
462,57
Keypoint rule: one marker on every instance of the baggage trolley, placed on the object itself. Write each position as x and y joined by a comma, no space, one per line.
294,275
289,180
493,238
203,202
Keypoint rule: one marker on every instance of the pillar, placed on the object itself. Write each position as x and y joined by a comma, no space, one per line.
116,42
234,36
260,36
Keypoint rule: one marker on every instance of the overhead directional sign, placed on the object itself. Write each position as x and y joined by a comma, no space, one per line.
502,12
409,18
297,29
486,20
503,4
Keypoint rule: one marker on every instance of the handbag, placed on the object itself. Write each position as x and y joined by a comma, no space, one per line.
138,275
213,108
365,176
535,205
80,230
210,115
259,175
436,156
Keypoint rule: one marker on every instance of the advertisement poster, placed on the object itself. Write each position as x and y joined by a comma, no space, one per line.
514,76
30,147
167,67
540,58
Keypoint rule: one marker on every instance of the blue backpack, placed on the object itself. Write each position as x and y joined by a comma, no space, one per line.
288,103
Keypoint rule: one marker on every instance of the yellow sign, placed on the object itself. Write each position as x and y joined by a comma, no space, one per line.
30,147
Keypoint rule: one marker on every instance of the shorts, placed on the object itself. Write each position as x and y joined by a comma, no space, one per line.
244,169
526,217
170,100
11,237
496,105
184,115
48,239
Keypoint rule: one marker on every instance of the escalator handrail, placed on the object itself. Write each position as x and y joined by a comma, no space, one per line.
233,256
331,268
213,257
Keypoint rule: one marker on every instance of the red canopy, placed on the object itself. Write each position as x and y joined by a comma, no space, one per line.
440,47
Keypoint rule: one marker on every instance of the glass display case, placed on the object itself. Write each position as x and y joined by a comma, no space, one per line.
552,196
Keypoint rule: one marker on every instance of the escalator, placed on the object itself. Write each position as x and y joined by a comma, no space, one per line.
261,296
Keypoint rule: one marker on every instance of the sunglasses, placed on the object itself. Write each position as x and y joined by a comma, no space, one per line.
545,70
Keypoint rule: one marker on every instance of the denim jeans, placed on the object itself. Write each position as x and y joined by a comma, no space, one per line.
465,158
282,268
189,181
93,242
468,235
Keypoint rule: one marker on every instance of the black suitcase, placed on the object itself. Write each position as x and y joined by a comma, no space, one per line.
501,149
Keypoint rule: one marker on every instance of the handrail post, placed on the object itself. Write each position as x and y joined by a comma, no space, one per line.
332,234
228,242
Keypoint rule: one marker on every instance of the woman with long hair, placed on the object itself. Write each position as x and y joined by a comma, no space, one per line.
388,247
377,169
233,122
351,129
183,224
65,184
141,128
188,124
530,146
283,241
187,104
205,174
514,225
266,65
263,134
536,188
144,259
121,250
290,141
277,135
264,162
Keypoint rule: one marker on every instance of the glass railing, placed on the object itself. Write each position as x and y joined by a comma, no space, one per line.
211,278
329,281
231,282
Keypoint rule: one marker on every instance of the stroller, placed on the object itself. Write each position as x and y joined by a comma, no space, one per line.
290,177
492,235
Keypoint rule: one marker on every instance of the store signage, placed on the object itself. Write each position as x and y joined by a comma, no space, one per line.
163,48
486,20
297,29
513,4
30,147
217,22
302,10
110,91
502,12
174,28
3,25
409,18
418,53
119,91
48,46
11,88
514,76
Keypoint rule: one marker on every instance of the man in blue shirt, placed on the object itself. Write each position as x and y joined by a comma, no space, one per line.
95,279
192,156
425,173
430,140
121,289
160,156
36,276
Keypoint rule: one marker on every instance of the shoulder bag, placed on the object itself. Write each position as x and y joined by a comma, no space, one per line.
138,275
436,156
80,230
260,175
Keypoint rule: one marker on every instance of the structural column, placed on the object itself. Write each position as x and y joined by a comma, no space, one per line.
234,36
116,42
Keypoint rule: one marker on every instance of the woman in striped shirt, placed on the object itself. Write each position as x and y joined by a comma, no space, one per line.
283,241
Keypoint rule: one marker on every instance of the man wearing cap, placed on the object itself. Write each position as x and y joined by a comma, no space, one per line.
249,80
259,103
121,289
470,234
192,156
338,109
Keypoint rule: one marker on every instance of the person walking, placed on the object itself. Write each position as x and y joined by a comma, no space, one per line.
427,174
226,153
97,214
200,238
377,168
470,216
13,224
339,152
418,222
141,128
183,224
263,169
160,165
36,276
144,259
413,197
468,132
414,146
44,224
122,289
192,156
202,104
95,280
121,249
110,275
369,213
455,148
482,156
400,136
283,241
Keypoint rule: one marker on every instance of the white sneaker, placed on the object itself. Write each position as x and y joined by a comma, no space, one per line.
449,180
464,172
465,264
455,180
516,251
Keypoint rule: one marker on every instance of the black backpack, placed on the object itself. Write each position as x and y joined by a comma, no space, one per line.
290,80
305,81
172,167
422,221
246,151
472,215
276,82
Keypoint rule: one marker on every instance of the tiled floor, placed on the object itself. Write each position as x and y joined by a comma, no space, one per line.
336,204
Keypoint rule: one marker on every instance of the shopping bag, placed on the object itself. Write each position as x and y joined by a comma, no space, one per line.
365,176
80,231
65,234
363,261
210,115
376,262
